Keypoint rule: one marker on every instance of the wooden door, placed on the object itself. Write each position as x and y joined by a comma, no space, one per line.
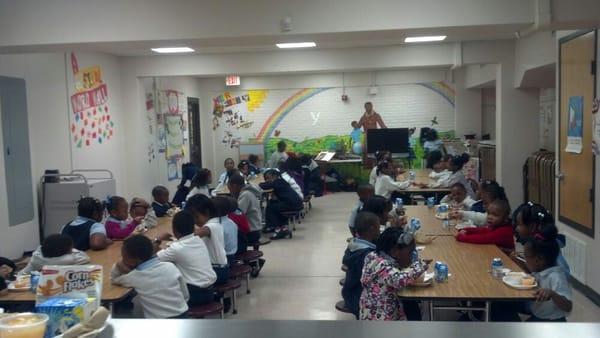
576,183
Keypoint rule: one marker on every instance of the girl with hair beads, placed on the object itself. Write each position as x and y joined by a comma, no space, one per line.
392,266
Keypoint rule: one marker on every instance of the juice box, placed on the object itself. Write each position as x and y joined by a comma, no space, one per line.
64,313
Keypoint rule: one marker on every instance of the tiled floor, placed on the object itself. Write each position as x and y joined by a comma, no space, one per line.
301,276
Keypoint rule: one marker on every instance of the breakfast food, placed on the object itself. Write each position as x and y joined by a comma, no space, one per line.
95,322
70,281
527,281
24,325
65,313
22,283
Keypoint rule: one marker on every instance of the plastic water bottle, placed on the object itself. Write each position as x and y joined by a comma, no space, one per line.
430,202
412,176
497,268
414,256
441,272
415,223
182,205
399,204
446,223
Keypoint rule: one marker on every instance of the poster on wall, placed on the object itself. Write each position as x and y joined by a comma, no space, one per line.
575,125
174,136
91,121
173,169
596,129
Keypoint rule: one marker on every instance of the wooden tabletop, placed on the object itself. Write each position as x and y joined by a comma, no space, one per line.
430,225
469,267
106,258
422,176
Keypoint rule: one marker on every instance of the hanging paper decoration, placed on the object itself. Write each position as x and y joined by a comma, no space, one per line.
89,105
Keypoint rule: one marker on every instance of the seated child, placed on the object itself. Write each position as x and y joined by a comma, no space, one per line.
160,288
379,157
286,199
244,168
457,198
385,185
190,255
5,273
230,230
200,183
118,226
439,166
254,166
364,192
312,176
498,229
56,249
211,231
553,299
366,232
86,231
229,165
456,165
138,207
384,209
279,156
531,219
248,203
161,204
489,191
291,172
392,266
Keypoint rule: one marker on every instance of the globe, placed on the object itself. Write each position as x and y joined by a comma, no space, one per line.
357,148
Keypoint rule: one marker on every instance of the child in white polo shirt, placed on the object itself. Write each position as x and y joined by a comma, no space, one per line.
161,291
190,256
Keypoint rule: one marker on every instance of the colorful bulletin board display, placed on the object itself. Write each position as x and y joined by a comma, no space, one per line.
174,136
91,122
575,128
173,169
230,114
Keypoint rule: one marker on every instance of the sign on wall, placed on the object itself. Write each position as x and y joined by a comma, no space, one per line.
91,122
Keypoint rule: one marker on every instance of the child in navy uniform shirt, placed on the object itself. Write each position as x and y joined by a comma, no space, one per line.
161,204
86,230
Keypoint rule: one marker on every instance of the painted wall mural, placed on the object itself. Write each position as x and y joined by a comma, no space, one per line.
314,119
91,122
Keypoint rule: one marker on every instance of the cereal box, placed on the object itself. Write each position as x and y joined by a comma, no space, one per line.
64,313
70,281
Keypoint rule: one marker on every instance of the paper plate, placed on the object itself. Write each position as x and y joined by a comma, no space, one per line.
512,279
14,288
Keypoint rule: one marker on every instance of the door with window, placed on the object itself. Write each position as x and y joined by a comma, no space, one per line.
194,131
577,79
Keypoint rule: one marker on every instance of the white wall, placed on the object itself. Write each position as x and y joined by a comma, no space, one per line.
547,118
533,51
49,115
468,106
480,76
488,112
44,75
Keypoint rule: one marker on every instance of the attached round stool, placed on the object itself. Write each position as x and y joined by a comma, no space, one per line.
201,311
229,286
240,271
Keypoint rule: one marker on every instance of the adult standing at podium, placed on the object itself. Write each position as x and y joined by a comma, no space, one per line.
370,118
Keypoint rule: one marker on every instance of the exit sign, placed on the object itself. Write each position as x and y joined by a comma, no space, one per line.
232,80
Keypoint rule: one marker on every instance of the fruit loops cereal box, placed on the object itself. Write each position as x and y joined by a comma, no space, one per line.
70,281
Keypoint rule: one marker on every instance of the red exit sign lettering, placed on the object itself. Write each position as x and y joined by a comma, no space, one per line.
232,80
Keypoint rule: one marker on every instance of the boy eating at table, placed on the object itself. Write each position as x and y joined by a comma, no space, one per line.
161,290
364,192
498,229
190,256
161,204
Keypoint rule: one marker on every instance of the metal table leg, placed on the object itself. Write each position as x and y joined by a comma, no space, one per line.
487,311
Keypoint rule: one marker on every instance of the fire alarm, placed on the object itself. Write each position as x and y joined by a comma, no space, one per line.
344,97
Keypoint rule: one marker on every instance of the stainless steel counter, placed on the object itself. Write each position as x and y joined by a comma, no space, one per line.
126,328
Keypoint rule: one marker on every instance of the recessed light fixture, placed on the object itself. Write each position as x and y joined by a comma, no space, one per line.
425,38
171,50
297,45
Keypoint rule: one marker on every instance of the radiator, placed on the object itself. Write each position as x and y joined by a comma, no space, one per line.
575,254
539,179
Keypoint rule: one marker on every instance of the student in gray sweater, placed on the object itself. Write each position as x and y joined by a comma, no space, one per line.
248,197
56,249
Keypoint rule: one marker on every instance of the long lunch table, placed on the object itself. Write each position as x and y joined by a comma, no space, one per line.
110,293
422,176
469,266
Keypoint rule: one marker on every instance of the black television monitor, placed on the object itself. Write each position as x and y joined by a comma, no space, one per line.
394,140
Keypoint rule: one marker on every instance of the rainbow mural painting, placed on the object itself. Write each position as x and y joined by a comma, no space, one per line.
288,105
442,88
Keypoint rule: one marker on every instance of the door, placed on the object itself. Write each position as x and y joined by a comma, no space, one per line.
17,160
194,131
576,178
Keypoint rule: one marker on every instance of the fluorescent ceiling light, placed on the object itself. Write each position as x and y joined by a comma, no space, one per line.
297,45
425,38
167,50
